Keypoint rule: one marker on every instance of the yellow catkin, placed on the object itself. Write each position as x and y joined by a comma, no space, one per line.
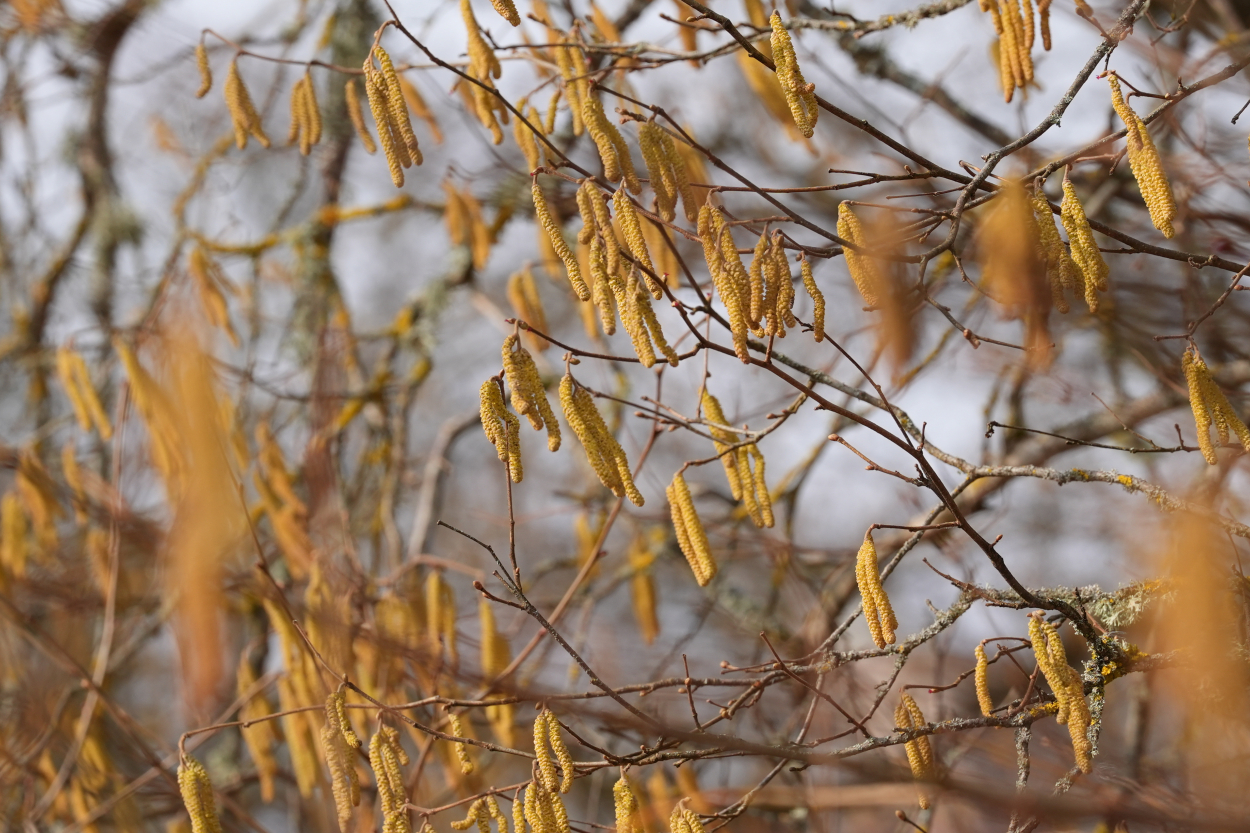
242,111
502,428
982,679
865,272
631,230
542,752
818,299
800,95
381,119
524,136
572,67
556,236
613,152
1147,167
206,72
1043,21
567,769
1061,270
681,174
877,609
385,757
456,726
1085,253
784,304
475,815
640,321
197,796
1067,687
728,275
722,440
605,285
483,66
659,171
603,452
529,397
76,379
523,295
357,116
507,10
919,753
396,105
298,115
337,745
625,805
1027,7
1211,407
691,536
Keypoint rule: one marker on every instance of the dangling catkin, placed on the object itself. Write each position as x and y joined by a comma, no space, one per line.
337,742
613,152
800,95
865,271
920,758
1085,253
507,10
1147,167
197,796
1067,686
603,452
476,815
397,108
357,116
625,805
658,170
631,230
1043,15
728,275
72,370
242,111
691,536
456,726
502,428
524,135
529,397
878,612
381,118
983,682
206,72
1060,268
1211,406
386,756
549,225
561,751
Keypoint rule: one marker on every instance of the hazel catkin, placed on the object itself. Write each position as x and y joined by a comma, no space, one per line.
982,680
1085,253
206,72
920,758
603,452
800,95
865,272
558,244
691,537
878,612
1147,166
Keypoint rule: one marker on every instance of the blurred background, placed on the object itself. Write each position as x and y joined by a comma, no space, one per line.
214,358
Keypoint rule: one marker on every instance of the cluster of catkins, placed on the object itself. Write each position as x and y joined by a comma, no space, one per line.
1067,686
1014,24
1210,407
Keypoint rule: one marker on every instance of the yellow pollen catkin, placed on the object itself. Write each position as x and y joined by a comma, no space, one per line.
385,757
625,805
396,105
1085,253
631,230
1067,686
542,752
243,113
728,275
603,451
567,771
523,294
878,612
1062,272
659,168
982,679
462,749
1211,407
507,10
502,428
1147,166
357,116
691,536
800,95
818,299
1043,16
613,152
337,745
76,379
549,225
529,397
524,136
865,272
197,796
206,72
920,758
378,107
